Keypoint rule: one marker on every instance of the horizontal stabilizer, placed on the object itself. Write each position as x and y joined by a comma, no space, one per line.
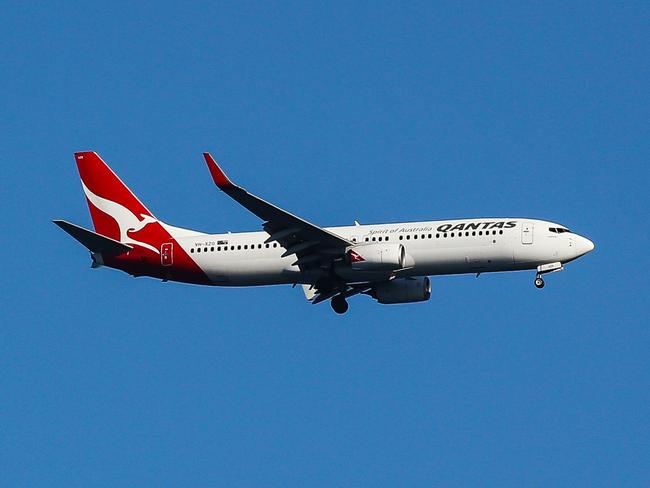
92,241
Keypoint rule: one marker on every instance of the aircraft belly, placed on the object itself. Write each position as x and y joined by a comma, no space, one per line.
271,271
454,260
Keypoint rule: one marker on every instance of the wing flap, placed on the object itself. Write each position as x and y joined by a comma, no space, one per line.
347,290
309,291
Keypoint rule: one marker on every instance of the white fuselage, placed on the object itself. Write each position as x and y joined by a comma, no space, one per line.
432,248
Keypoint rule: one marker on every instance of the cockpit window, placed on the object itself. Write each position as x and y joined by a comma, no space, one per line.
559,230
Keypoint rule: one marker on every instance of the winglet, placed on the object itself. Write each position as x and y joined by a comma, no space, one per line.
219,177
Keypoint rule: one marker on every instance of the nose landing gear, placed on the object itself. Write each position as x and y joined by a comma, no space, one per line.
546,268
339,304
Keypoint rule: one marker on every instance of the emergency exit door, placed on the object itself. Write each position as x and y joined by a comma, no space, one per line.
167,254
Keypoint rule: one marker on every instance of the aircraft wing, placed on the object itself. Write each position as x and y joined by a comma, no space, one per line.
312,244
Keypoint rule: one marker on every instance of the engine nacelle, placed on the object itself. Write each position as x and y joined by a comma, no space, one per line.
403,290
378,256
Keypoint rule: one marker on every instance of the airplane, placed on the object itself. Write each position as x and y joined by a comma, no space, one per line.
389,262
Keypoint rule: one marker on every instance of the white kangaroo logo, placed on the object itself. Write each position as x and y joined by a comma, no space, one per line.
126,220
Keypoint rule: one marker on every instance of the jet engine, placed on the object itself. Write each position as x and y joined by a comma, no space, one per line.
378,256
403,290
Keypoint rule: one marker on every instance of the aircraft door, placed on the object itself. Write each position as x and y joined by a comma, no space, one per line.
527,233
167,254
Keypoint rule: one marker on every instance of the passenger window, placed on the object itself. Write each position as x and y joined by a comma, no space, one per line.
408,237
266,245
386,237
452,234
480,232
212,249
466,234
259,246
275,244
198,249
437,236
239,248
415,236
218,248
366,239
374,239
500,232
401,237
444,235
192,250
424,236
473,232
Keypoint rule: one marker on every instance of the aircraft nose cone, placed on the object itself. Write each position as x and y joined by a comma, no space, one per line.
584,245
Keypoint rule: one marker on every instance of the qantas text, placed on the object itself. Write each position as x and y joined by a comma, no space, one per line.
450,227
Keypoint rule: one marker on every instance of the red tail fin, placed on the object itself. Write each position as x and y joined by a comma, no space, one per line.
116,212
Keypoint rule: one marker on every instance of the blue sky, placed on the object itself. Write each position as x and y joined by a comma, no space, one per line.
370,112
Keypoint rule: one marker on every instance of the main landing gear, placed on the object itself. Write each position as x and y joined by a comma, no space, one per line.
539,282
339,304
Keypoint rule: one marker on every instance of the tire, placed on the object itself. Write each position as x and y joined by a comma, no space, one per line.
339,304
539,283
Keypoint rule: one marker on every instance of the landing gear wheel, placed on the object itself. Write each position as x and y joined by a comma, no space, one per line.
339,304
539,282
